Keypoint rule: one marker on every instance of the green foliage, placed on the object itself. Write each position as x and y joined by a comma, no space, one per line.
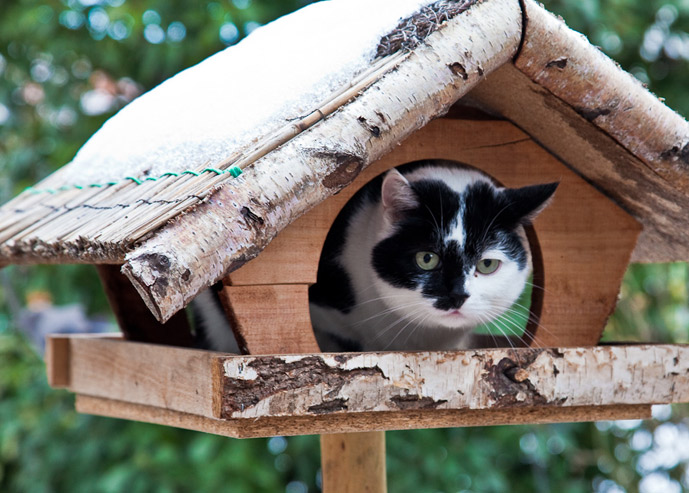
46,446
67,65
654,305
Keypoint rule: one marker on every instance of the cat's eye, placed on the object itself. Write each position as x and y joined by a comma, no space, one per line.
487,265
427,260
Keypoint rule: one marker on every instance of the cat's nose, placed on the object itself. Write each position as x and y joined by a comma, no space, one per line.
458,298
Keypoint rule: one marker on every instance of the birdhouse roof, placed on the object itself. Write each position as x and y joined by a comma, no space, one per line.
195,177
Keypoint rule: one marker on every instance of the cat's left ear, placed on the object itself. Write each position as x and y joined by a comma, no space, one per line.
527,202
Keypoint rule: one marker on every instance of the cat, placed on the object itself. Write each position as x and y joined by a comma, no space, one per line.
422,255
419,257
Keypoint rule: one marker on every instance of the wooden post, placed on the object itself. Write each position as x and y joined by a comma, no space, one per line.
350,462
354,462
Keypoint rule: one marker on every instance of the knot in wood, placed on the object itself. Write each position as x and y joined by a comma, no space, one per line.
510,385
347,168
517,374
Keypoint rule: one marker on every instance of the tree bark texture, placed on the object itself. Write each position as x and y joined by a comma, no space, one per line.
483,379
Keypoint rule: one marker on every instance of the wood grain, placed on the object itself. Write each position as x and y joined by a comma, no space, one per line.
271,319
57,361
300,425
162,376
354,462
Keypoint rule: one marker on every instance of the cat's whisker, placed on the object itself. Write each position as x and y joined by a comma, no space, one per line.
535,286
435,221
442,214
395,323
385,312
533,317
506,317
507,331
402,330
490,333
487,230
418,324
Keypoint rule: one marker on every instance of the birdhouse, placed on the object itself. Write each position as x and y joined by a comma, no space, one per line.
234,171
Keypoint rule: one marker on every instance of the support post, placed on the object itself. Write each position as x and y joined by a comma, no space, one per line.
354,462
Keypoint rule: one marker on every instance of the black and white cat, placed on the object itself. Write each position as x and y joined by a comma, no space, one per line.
421,256
418,258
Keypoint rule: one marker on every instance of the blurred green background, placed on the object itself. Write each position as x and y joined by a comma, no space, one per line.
66,66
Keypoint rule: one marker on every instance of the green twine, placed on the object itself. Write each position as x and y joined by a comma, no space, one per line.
233,171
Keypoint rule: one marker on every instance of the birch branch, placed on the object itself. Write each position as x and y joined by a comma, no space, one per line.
241,218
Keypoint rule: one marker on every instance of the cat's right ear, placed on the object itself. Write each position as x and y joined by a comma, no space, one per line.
397,195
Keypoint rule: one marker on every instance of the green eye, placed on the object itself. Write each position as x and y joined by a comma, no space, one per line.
427,260
487,265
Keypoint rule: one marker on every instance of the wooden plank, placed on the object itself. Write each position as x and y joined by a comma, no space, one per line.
598,158
161,376
57,361
270,319
327,424
134,318
350,383
318,385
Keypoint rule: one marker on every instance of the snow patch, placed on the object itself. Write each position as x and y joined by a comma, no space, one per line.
224,104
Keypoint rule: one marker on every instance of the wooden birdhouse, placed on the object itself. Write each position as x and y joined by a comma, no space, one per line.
235,170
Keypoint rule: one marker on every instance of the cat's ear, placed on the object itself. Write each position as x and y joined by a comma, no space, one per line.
397,195
527,202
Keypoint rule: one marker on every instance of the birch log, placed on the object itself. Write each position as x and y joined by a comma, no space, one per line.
483,379
241,218
566,64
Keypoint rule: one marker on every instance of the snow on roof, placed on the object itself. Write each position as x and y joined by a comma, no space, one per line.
233,98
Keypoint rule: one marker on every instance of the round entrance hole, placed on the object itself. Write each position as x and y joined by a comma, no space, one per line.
343,300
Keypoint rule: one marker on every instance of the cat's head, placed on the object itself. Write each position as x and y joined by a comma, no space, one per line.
453,247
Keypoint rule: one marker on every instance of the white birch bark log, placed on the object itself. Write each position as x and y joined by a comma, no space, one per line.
564,62
241,218
271,386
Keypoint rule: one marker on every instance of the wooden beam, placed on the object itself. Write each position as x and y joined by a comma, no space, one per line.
270,319
348,383
343,423
57,361
155,375
354,462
